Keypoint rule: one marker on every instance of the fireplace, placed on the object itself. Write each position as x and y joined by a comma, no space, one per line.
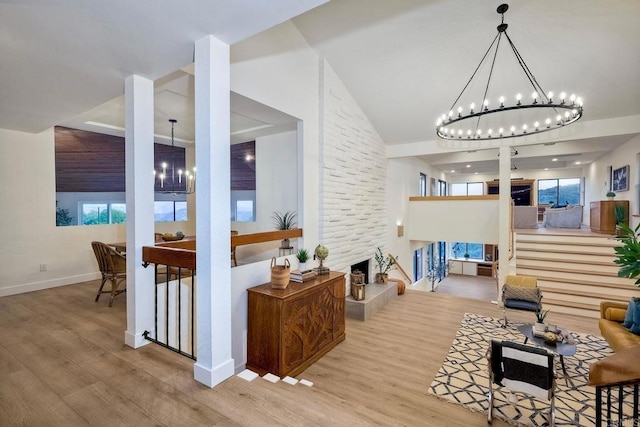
363,267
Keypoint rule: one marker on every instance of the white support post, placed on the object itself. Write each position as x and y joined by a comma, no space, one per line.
213,228
140,221
504,226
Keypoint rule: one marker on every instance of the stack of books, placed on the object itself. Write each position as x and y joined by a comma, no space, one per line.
302,276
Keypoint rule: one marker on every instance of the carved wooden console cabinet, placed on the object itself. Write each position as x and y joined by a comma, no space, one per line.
290,329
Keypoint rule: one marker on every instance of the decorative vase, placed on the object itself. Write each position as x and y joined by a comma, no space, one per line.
540,327
285,243
382,278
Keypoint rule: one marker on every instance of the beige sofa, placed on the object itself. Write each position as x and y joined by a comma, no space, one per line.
525,217
567,217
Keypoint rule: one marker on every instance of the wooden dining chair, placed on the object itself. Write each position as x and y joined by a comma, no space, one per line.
233,249
113,267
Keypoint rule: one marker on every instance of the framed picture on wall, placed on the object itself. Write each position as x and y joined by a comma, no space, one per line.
620,179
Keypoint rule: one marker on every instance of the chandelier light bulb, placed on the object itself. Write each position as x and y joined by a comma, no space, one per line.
478,133
459,111
572,98
450,113
501,131
579,102
468,133
501,101
562,97
558,119
513,129
524,128
489,132
534,95
550,96
471,107
486,104
438,122
548,122
518,98
459,133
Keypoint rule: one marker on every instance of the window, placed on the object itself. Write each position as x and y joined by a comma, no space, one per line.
559,191
169,210
442,188
103,213
467,189
423,185
475,250
244,210
418,261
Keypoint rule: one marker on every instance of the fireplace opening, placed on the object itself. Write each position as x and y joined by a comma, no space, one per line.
363,268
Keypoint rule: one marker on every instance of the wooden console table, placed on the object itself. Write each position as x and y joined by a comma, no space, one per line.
290,329
602,217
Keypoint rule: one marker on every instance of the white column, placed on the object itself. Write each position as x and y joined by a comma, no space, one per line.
213,227
504,226
140,222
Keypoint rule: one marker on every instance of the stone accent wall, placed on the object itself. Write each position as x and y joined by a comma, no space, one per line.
353,216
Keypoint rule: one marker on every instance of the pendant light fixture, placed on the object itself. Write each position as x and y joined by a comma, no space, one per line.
500,118
177,181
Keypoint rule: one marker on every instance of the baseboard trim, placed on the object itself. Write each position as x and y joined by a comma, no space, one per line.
47,284
213,377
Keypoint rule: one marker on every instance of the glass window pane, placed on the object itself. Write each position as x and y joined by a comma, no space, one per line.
547,191
163,211
181,211
475,189
244,210
118,213
569,191
459,189
458,249
475,250
94,213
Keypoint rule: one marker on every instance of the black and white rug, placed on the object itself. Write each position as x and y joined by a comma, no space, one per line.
463,378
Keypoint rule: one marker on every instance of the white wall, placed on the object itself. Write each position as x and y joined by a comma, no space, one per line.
598,179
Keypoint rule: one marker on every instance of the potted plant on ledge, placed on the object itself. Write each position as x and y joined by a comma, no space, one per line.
384,265
284,221
611,195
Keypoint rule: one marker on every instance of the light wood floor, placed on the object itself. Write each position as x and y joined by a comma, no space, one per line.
63,362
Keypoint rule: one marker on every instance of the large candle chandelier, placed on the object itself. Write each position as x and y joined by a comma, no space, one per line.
177,181
501,118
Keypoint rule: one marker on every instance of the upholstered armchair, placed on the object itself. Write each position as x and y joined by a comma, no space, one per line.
566,217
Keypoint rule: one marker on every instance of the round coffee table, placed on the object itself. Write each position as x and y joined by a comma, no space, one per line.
560,348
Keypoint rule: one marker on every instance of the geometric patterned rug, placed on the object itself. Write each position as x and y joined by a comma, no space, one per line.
463,378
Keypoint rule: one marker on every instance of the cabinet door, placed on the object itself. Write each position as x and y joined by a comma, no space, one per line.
308,326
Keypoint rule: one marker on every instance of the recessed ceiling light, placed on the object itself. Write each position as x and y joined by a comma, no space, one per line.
546,169
476,173
577,163
554,160
468,166
452,171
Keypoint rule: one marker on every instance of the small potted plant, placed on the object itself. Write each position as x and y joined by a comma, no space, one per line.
466,256
611,195
541,315
384,265
303,257
284,221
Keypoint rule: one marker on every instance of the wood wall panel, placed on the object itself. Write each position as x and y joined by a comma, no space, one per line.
94,162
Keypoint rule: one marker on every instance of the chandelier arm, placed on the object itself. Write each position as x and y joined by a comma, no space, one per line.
493,63
527,71
474,73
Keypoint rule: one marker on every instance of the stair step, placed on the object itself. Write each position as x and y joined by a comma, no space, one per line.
569,268
570,275
583,294
625,286
580,250
573,304
608,263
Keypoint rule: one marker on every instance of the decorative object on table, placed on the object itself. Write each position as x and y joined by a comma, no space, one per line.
620,179
629,253
611,195
493,119
185,183
285,221
541,315
168,237
384,265
550,338
303,276
280,274
466,256
321,252
303,257
358,291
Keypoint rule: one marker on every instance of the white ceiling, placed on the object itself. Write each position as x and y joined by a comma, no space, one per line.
404,61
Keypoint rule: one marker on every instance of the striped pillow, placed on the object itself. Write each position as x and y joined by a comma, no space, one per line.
521,293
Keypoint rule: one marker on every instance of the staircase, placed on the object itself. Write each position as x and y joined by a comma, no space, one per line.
575,270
